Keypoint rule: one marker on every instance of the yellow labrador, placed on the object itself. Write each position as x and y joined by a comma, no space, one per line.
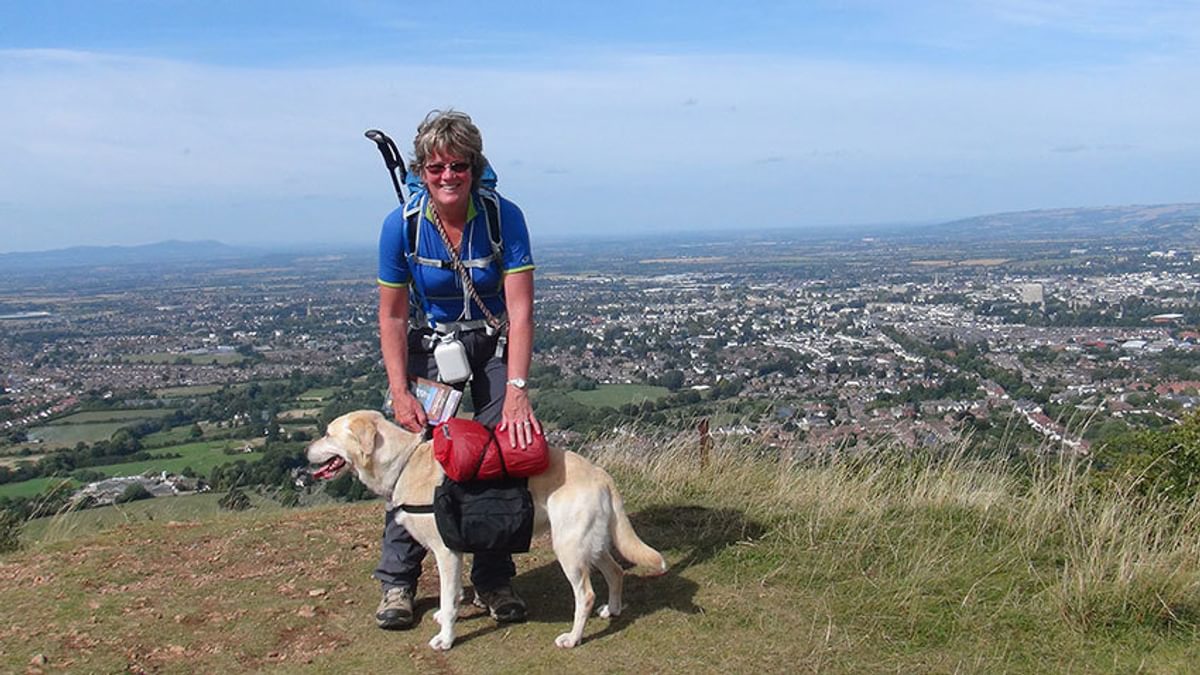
576,499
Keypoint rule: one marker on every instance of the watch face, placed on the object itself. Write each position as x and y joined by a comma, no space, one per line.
518,382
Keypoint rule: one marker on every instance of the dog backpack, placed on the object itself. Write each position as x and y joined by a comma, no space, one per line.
468,451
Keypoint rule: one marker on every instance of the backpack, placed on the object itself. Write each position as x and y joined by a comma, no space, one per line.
416,205
419,199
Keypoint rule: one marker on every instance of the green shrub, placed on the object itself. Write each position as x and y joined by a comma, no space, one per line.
1158,463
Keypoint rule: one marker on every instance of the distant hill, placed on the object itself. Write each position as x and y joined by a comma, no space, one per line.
1163,225
1159,224
166,252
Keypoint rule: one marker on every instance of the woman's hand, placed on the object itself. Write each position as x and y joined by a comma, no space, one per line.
518,419
408,411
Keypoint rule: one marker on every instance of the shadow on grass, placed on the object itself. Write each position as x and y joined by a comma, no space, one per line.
687,536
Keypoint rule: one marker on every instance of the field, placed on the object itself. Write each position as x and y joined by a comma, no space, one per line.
878,564
126,416
85,427
57,436
201,456
299,414
172,436
319,394
13,457
29,488
54,529
616,395
193,390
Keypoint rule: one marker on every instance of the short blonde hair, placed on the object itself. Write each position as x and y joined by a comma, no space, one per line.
452,132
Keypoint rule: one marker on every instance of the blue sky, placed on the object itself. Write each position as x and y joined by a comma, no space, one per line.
134,122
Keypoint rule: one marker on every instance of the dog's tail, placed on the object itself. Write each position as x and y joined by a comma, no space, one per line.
626,540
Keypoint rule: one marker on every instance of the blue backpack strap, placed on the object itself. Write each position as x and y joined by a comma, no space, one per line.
491,213
491,207
412,223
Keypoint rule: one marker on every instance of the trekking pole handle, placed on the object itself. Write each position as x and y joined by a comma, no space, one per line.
391,159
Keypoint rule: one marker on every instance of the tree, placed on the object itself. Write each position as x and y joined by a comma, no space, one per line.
133,492
195,431
672,379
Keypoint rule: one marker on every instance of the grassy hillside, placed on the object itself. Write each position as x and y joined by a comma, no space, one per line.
879,564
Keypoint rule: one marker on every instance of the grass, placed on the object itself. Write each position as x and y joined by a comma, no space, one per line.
318,394
125,416
172,436
299,414
58,436
191,390
836,563
616,395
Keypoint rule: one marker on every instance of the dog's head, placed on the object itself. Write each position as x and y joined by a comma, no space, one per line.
357,441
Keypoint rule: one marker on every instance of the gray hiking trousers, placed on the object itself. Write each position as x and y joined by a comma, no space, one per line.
400,562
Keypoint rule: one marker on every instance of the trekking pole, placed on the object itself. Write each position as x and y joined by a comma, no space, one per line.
391,158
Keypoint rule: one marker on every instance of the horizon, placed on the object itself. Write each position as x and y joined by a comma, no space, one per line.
823,232
138,124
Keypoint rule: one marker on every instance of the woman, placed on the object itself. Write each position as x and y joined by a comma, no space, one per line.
490,314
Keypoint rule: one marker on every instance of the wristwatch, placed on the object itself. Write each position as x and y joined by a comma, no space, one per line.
518,382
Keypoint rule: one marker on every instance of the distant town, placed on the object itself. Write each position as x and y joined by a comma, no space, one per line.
819,343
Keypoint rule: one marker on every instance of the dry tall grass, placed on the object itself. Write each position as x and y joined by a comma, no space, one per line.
1038,533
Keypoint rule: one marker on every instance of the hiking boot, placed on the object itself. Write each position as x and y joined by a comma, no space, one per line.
503,604
395,608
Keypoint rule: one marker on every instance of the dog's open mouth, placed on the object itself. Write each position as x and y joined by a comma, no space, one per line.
330,468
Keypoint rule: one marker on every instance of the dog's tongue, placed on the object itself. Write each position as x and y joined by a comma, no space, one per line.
329,468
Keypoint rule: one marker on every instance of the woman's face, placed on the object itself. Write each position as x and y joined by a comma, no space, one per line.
448,179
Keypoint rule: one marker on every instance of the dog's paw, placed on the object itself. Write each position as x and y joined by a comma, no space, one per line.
606,612
566,641
441,643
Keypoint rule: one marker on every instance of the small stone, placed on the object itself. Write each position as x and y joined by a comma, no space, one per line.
316,592
38,660
307,611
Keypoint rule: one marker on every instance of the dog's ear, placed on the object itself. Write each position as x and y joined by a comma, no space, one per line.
363,430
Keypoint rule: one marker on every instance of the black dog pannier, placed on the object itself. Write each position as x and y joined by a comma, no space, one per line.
493,516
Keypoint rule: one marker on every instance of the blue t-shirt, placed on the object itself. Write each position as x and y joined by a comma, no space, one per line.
438,291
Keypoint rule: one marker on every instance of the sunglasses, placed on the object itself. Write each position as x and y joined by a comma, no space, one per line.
455,167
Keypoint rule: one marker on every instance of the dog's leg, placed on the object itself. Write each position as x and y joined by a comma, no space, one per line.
449,566
577,571
614,576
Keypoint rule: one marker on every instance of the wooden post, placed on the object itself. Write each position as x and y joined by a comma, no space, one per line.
705,443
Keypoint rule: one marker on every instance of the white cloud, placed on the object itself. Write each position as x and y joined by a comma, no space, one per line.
135,147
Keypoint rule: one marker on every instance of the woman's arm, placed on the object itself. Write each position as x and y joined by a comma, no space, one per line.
518,296
393,342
